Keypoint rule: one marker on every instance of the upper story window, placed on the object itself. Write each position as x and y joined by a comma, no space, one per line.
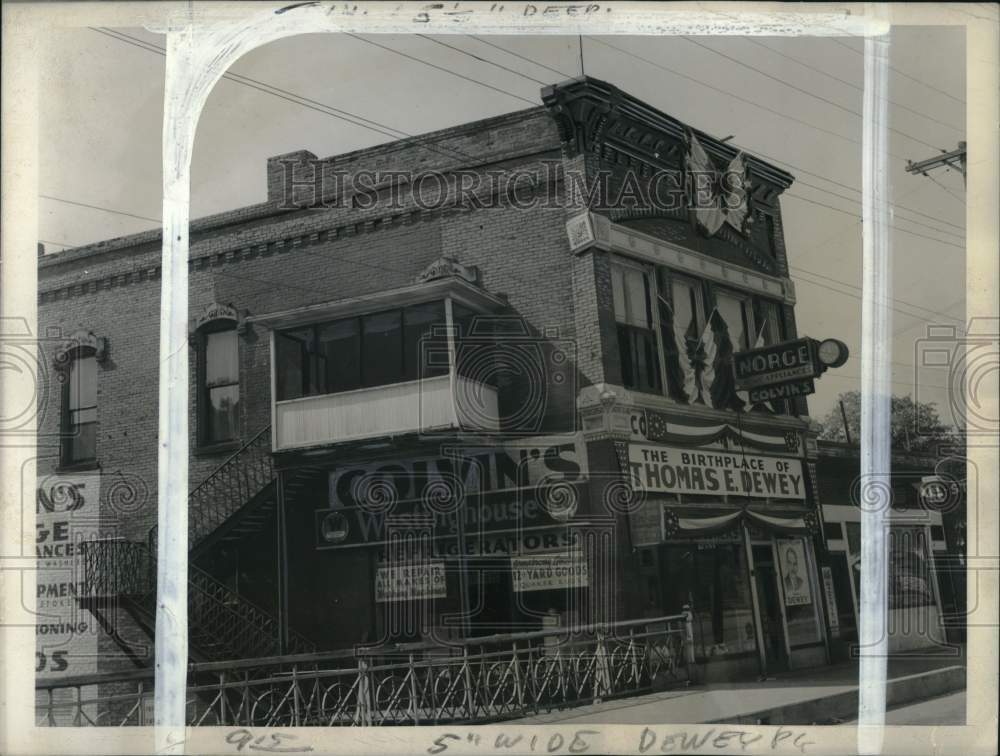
365,351
218,384
637,343
696,325
80,409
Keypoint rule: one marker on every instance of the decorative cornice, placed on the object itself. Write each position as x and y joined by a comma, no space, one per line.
592,115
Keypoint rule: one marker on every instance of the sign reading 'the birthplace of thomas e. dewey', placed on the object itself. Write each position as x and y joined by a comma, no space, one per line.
672,470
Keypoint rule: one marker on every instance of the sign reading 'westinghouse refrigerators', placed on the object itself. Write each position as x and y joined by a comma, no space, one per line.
544,572
672,470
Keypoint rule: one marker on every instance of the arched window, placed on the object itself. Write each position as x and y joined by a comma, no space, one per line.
79,407
218,370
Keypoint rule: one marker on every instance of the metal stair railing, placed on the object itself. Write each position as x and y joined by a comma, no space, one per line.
241,628
129,568
227,489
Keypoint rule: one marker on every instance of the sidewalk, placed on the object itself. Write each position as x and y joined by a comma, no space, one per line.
820,695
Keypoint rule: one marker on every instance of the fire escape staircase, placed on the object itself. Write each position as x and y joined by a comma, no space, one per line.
237,500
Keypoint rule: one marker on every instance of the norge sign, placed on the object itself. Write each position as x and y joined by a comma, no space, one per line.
671,470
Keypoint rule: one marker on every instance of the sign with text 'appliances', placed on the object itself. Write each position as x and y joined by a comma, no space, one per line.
670,470
778,363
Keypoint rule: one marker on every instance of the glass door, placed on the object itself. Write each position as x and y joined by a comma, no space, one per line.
772,621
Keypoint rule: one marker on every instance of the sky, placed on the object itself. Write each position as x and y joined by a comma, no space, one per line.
792,101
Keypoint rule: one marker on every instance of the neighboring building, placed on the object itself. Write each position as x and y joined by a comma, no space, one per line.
561,372
926,597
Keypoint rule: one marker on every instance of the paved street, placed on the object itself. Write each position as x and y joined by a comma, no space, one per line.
944,710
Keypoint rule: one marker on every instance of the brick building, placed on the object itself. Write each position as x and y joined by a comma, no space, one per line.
427,407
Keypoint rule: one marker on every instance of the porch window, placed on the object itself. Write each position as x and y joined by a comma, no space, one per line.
366,351
637,341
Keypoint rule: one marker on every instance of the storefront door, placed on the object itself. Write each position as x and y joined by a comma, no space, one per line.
772,622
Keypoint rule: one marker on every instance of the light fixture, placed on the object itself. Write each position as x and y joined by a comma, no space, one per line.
832,353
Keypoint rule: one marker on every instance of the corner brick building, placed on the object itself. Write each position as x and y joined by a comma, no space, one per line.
419,414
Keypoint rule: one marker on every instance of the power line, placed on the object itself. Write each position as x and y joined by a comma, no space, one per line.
861,289
518,55
901,73
851,84
98,207
297,99
922,318
908,220
778,79
483,60
848,212
440,68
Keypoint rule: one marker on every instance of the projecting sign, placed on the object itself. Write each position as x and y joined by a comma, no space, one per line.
409,582
672,470
778,363
782,391
543,572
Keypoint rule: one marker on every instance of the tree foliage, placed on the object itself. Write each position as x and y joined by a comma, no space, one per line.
915,426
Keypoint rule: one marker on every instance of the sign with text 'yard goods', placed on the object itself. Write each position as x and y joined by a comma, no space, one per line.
551,571
671,470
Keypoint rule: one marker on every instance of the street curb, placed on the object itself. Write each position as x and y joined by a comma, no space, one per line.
840,706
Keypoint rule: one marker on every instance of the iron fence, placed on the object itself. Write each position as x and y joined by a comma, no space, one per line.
472,680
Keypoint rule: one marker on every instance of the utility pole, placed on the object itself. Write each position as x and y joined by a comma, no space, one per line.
953,159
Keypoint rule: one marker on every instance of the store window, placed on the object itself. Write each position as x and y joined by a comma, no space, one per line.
366,351
219,385
711,578
637,339
80,410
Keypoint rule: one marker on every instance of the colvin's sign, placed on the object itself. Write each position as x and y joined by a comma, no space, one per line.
782,391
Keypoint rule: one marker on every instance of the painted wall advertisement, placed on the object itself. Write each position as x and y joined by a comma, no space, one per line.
794,571
552,571
410,582
67,514
673,470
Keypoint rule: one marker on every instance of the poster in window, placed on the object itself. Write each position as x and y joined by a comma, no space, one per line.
794,572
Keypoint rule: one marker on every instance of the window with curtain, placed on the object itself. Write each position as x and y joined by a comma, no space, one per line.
633,291
220,387
736,312
80,410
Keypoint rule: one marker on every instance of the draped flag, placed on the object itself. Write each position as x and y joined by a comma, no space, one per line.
683,349
708,350
715,198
